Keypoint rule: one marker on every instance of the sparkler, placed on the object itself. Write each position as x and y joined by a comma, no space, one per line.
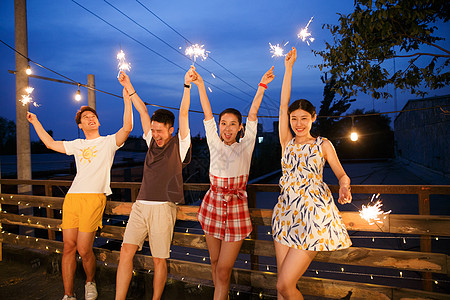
305,35
122,65
195,51
372,212
27,99
277,50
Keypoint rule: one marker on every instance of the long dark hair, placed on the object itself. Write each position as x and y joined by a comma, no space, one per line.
302,104
238,115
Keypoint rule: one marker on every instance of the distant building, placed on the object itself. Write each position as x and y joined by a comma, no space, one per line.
422,136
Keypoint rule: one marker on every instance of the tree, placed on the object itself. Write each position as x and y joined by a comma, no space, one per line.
330,107
7,136
378,31
376,138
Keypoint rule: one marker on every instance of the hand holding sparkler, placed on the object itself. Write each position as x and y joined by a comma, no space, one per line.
190,75
290,58
197,80
31,118
124,80
345,196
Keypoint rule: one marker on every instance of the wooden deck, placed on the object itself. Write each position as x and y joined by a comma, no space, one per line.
259,274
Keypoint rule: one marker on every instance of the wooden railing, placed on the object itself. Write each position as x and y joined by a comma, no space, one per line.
256,276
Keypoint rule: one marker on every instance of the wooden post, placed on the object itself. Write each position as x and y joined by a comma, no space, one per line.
425,240
90,90
251,200
50,212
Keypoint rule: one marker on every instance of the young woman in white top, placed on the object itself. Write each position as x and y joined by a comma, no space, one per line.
224,213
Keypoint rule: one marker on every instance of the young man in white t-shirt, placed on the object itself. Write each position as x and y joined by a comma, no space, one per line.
86,199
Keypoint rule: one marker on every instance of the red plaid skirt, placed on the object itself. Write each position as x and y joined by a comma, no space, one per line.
224,213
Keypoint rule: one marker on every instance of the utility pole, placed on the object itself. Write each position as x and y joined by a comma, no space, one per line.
91,90
22,125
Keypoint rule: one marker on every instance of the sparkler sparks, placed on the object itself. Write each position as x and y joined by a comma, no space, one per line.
27,99
195,51
372,212
305,35
122,65
277,50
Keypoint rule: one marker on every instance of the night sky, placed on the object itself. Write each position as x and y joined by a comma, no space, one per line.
68,39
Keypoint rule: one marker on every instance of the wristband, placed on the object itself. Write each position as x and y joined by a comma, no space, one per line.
132,94
188,86
263,85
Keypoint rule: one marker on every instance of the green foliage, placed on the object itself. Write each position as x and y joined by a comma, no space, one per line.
378,31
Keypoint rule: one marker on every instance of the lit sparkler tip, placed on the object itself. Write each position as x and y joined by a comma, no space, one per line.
29,90
122,64
195,51
372,212
305,35
277,50
121,55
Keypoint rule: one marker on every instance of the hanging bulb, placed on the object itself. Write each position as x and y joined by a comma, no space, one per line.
78,94
354,135
28,70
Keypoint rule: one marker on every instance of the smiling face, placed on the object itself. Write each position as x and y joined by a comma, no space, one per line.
161,133
88,121
228,128
301,123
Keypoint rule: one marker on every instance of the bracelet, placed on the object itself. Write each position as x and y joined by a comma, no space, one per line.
188,86
263,85
132,94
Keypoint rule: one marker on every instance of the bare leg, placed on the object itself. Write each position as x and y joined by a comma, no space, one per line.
292,268
69,263
85,241
214,251
223,255
159,280
125,270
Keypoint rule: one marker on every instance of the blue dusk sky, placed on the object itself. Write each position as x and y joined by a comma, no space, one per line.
70,40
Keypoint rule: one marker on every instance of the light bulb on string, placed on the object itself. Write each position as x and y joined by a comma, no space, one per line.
28,69
353,133
78,94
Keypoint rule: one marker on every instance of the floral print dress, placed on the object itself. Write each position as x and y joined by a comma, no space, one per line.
305,216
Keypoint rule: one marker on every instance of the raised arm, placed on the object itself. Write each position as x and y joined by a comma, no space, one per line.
284,131
206,106
183,118
137,102
48,141
330,155
124,132
265,80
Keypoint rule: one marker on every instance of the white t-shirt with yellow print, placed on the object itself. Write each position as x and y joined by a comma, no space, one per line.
93,159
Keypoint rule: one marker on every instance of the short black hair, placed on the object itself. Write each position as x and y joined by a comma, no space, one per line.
81,111
232,111
302,104
163,116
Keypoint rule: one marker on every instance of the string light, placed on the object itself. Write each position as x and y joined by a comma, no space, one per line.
28,70
78,94
353,133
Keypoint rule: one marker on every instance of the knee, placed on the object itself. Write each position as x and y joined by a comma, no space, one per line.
159,262
85,252
69,247
223,273
282,287
127,252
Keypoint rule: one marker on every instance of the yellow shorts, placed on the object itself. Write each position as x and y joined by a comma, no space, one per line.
83,211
